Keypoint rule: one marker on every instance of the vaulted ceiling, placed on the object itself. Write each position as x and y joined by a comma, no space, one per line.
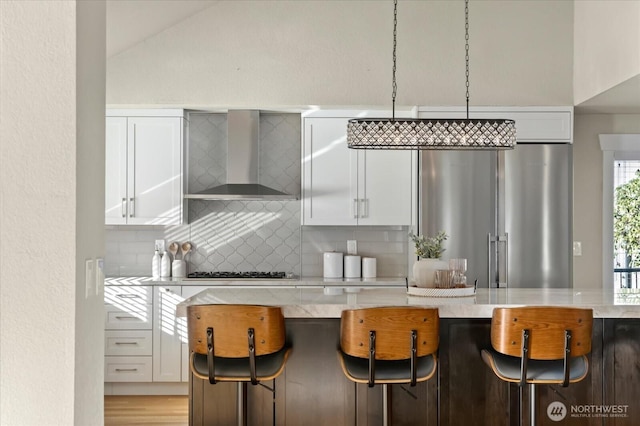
130,22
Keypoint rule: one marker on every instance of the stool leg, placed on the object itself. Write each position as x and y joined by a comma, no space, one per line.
385,405
532,404
241,406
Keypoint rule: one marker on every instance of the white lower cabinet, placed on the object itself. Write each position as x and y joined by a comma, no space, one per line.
144,340
128,334
167,347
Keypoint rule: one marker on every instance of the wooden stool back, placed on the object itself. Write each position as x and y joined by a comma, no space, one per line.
547,326
230,324
393,326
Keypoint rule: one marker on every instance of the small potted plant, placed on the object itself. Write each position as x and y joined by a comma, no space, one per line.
429,251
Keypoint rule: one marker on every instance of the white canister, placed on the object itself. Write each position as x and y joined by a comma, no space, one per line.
332,263
178,268
369,267
352,266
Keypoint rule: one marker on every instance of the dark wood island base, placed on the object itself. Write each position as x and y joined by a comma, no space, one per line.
314,391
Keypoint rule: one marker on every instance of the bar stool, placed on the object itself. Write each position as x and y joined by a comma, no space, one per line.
539,345
237,343
389,345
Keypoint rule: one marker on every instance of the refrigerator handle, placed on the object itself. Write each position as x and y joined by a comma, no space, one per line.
503,239
506,259
489,241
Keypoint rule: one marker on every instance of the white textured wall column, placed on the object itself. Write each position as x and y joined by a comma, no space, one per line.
46,228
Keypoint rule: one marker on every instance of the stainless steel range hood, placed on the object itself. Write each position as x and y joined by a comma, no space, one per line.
242,163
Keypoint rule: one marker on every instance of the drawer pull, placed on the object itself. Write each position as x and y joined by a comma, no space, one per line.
128,296
123,370
126,343
125,317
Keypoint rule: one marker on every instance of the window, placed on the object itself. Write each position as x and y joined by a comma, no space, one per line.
626,268
621,158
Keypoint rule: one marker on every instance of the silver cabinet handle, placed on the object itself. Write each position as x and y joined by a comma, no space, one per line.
365,202
132,210
125,317
128,296
356,208
124,207
126,369
505,239
498,239
126,343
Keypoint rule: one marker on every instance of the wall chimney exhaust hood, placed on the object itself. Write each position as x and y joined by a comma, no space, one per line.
242,163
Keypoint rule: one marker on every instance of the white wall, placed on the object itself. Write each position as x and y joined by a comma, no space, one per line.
47,224
90,238
587,195
338,53
607,45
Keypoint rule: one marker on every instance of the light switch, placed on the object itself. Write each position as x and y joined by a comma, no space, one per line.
577,248
99,275
89,277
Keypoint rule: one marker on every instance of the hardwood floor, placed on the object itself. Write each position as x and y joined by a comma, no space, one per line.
146,410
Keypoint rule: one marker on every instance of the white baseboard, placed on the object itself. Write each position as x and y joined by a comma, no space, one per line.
146,388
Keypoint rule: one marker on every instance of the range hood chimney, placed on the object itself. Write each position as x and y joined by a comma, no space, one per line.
242,163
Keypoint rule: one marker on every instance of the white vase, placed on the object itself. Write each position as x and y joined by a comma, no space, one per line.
424,271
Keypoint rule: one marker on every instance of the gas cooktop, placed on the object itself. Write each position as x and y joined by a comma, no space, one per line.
237,275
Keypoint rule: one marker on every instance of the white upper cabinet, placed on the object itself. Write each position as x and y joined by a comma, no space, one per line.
343,186
533,124
144,183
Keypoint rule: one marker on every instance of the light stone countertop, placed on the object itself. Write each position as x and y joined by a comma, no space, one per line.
316,303
274,283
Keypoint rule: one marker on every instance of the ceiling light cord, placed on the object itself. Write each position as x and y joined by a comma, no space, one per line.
466,46
394,85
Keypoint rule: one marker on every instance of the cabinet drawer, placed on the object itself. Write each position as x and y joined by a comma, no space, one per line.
125,295
127,369
128,342
132,317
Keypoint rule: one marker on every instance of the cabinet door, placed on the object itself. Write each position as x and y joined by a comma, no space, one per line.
154,170
115,170
329,169
167,348
385,187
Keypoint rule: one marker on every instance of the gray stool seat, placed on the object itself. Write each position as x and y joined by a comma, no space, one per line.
239,369
507,368
357,369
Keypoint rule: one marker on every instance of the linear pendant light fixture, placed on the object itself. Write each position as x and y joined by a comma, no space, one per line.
416,133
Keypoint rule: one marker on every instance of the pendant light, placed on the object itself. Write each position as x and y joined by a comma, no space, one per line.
417,133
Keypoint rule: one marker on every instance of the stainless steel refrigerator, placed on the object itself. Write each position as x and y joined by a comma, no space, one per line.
509,213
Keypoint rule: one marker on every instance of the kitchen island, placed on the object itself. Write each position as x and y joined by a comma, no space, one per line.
314,391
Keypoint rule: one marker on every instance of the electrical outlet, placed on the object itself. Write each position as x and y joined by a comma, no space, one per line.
352,247
160,245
